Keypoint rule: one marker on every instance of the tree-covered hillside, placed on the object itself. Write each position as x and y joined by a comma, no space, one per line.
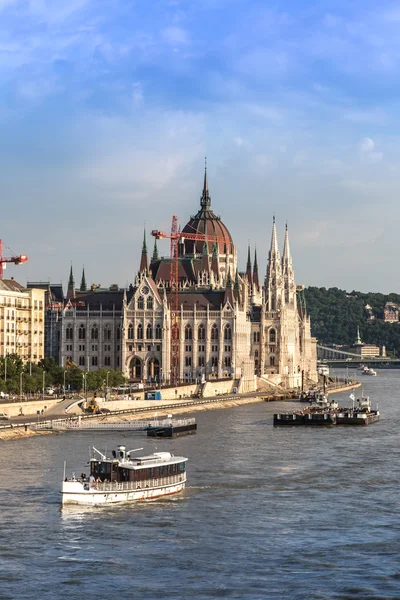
335,315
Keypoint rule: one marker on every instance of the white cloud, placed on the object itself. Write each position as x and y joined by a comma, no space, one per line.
175,36
367,151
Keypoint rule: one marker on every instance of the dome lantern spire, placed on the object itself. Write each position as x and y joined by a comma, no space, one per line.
205,200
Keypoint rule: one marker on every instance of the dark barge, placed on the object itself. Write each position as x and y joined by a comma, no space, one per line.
176,428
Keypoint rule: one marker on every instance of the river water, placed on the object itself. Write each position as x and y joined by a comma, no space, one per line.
268,513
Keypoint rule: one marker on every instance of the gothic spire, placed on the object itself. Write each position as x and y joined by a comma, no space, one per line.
228,296
71,285
236,288
155,251
256,281
288,273
205,200
273,278
144,263
214,260
248,267
274,251
83,286
205,265
286,257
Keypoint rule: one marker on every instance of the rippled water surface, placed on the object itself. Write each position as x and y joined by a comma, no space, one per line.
268,513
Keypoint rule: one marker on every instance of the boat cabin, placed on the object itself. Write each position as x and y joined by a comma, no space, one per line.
139,468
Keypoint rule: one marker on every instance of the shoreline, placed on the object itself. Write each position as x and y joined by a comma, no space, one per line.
21,432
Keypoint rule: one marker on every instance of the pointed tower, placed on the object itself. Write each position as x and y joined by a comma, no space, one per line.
71,285
144,263
205,200
214,262
256,282
358,341
288,273
205,264
229,297
273,280
248,268
236,288
83,286
155,251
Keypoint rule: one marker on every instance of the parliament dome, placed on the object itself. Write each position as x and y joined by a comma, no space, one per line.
205,222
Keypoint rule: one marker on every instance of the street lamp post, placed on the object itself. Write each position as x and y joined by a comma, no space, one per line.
5,368
20,384
65,372
43,382
108,372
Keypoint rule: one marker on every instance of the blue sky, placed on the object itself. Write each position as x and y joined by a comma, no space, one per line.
108,107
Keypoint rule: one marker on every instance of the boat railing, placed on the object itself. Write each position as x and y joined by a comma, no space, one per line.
115,486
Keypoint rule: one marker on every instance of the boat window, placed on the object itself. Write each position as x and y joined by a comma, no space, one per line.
182,467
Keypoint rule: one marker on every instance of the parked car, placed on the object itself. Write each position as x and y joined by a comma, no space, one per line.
4,417
49,391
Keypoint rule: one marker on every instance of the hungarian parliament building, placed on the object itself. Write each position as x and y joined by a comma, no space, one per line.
229,323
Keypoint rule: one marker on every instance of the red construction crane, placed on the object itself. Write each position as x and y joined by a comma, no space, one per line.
175,236
17,260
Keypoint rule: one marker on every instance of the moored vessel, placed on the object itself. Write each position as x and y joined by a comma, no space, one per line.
126,478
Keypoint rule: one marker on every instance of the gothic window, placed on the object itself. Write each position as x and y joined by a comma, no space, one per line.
130,332
201,333
214,361
118,333
214,333
69,333
82,332
188,332
107,361
95,333
227,361
81,361
227,333
149,303
94,361
158,332
201,361
107,332
140,331
272,361
140,303
272,336
256,336
256,354
149,332
188,361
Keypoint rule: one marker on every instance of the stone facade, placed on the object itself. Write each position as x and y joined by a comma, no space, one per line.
21,321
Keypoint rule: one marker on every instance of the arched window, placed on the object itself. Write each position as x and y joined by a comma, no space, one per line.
140,331
149,303
130,332
201,332
140,303
118,333
95,333
107,332
272,361
69,333
256,354
227,333
227,361
82,332
149,332
272,336
158,332
188,332
214,333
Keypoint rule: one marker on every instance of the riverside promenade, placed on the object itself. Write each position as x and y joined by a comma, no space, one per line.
27,425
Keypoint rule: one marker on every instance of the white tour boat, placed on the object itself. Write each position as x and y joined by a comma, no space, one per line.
126,478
